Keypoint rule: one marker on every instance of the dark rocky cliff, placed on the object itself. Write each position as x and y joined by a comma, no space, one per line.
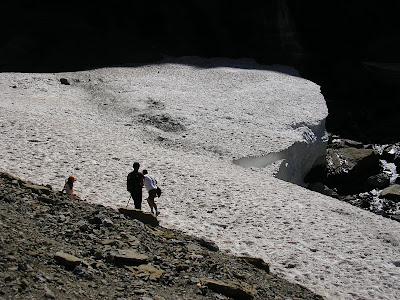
350,49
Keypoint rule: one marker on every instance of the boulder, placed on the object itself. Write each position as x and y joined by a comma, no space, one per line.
46,199
144,217
38,189
319,187
67,260
129,257
379,181
392,193
258,262
64,81
230,289
208,244
146,271
349,168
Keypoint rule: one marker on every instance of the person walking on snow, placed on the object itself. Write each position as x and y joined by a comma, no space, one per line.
151,186
134,184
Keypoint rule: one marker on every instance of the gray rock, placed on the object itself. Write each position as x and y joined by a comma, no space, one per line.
46,199
319,187
352,159
146,218
48,293
64,81
349,168
397,263
97,219
258,262
379,181
395,217
205,242
83,272
230,289
129,257
38,189
9,198
392,193
108,222
67,260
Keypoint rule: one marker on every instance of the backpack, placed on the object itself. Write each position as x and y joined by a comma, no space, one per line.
158,192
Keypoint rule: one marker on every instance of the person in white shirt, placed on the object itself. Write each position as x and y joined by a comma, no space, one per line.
151,186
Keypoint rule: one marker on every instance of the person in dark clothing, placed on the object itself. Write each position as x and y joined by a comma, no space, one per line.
134,184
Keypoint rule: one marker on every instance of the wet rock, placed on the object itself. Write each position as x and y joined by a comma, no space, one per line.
391,152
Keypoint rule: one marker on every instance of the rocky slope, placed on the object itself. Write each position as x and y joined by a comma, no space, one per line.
60,247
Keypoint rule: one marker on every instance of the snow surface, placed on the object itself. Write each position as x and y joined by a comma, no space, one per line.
212,132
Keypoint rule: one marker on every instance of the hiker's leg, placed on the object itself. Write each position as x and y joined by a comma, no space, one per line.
153,203
152,195
149,202
137,199
137,203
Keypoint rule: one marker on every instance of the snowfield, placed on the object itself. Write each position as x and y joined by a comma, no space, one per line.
214,133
